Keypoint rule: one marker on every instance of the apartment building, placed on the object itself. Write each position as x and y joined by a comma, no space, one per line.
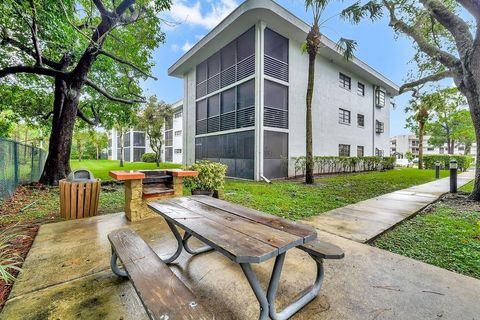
244,96
401,144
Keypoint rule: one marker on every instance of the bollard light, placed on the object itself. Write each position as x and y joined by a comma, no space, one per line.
437,169
453,175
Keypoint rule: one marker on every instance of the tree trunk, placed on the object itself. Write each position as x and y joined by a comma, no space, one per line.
98,152
57,165
121,148
313,43
421,130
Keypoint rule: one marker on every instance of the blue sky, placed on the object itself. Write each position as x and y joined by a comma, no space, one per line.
193,19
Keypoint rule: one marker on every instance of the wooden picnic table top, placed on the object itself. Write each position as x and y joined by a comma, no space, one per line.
242,234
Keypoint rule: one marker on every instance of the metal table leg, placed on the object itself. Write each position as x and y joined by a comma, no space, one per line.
193,252
179,243
300,302
115,269
257,289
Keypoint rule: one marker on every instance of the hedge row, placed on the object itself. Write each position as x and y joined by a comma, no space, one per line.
149,157
344,164
464,162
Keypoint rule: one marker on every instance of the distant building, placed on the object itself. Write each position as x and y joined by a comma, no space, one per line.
401,144
136,142
244,95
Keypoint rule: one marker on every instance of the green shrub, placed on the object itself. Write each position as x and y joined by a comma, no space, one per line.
464,162
149,157
211,176
325,164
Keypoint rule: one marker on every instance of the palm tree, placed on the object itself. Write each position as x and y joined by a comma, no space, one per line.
354,14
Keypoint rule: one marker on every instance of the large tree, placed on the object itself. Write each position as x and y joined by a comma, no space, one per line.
91,52
313,45
446,35
153,120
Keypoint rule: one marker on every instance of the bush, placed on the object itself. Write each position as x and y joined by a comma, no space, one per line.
464,162
211,176
324,164
149,157
9,260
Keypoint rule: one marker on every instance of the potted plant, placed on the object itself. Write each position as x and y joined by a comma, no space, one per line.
210,177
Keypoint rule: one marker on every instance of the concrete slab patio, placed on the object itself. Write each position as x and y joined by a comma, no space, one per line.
365,220
66,276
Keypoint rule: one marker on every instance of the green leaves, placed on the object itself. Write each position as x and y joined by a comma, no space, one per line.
211,176
347,47
357,12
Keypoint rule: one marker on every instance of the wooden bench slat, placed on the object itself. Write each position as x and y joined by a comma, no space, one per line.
162,293
307,232
322,249
271,236
238,247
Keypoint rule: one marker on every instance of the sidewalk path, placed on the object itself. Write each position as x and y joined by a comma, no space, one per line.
367,219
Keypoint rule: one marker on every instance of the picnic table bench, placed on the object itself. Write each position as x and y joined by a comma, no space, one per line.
243,235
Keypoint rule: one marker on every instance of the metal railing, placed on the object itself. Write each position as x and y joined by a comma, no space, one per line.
19,164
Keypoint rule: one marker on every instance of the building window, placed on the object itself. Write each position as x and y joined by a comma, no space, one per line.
344,116
168,154
344,150
276,105
361,120
380,98
276,55
232,63
361,89
178,133
379,127
168,123
177,115
231,109
360,151
139,139
168,138
430,149
177,151
345,81
378,152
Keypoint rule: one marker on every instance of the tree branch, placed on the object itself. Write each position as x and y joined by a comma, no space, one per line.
100,51
101,8
33,70
30,52
472,6
34,30
122,7
453,23
411,86
435,53
109,96
82,116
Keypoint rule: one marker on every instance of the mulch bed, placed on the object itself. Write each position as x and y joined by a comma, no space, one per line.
26,229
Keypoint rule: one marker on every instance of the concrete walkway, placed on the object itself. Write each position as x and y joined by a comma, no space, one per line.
368,219
66,276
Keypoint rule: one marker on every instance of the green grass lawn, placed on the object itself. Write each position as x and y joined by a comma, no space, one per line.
295,200
100,168
448,237
468,187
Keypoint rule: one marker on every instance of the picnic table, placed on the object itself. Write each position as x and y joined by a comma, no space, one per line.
245,236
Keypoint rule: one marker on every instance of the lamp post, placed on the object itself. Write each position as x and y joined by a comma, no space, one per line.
437,169
453,175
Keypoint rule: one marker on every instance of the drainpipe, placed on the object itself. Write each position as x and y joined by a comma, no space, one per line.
373,120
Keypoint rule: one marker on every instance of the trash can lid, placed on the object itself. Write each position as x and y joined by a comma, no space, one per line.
80,175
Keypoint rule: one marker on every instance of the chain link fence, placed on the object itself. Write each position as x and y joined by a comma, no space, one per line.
19,163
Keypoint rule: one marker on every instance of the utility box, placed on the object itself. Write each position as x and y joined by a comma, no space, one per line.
79,195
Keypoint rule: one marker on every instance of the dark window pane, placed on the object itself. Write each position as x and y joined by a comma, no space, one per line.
228,55
126,154
361,89
138,153
126,138
202,72
276,46
213,64
246,94
202,109
360,151
344,116
276,95
344,150
360,120
169,154
168,123
139,139
345,81
275,163
246,44
228,100
169,138
214,105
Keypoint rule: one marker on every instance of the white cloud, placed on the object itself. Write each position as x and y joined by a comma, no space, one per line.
207,15
175,47
186,46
